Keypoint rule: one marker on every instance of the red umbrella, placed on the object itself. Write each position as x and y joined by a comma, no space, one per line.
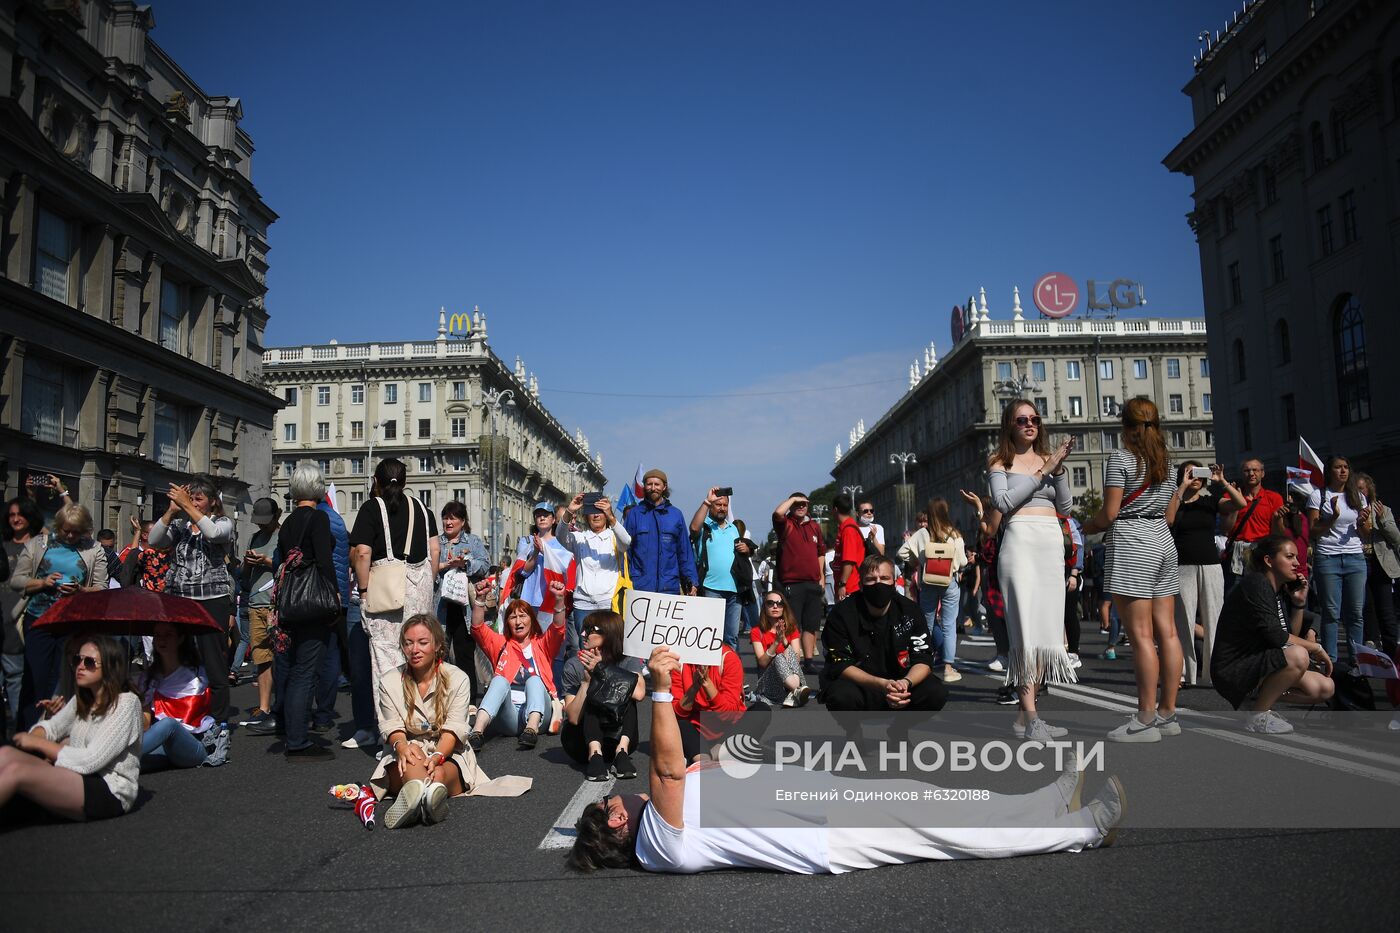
126,611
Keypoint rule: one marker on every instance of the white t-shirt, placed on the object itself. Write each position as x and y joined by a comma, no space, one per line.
1344,537
663,848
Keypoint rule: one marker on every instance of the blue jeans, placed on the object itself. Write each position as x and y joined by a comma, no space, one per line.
940,605
328,682
170,744
506,717
1341,590
303,660
361,690
14,673
732,612
244,638
750,613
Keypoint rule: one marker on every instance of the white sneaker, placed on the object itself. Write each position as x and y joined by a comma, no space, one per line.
1395,723
406,809
1039,731
434,803
361,739
1268,723
1135,731
1108,807
1074,662
1167,725
998,665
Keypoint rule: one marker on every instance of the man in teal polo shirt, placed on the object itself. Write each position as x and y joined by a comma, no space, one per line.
722,552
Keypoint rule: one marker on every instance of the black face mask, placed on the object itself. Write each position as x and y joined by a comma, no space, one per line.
878,595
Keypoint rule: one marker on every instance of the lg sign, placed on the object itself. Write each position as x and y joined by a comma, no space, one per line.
1056,295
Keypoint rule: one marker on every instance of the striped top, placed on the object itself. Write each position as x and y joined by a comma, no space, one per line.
1124,472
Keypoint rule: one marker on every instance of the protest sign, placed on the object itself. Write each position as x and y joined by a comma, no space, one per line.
693,626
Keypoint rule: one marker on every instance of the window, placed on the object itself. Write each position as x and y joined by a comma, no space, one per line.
1076,406
1205,367
426,497
1260,56
1178,439
425,391
1227,211
459,495
1210,439
1324,229
290,394
1349,217
391,393
1245,435
459,428
459,463
49,407
1219,94
53,256
1003,372
1270,186
174,429
459,391
1319,148
357,430
323,395
1139,369
425,427
357,465
1339,134
1240,370
357,499
1174,405
1079,476
357,395
1110,440
1236,290
1349,347
1105,369
288,467
324,466
1173,368
391,430
1042,405
1072,370
425,465
1276,258
1283,342
1205,402
1110,405
1289,417
1038,371
289,433
172,313
323,430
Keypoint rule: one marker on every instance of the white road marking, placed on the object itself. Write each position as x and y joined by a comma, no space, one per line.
1270,744
561,834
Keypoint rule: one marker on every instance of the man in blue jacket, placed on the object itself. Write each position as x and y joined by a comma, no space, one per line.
660,559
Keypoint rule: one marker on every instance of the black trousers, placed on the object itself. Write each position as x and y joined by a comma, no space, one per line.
575,738
753,722
1072,620
213,655
996,621
43,670
928,695
1380,607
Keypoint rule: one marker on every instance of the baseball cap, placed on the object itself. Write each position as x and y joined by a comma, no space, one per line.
544,507
265,510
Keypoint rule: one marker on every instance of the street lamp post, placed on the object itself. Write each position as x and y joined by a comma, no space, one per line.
491,400
904,459
853,491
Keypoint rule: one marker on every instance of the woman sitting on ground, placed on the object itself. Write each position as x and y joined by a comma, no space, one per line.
1257,660
82,764
522,662
176,695
708,700
601,687
777,647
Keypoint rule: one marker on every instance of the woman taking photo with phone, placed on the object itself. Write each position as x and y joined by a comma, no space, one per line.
1140,567
1198,558
1030,488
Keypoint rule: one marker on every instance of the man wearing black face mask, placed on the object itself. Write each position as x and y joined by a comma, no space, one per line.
878,653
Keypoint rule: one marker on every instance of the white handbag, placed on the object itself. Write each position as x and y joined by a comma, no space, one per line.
456,587
388,577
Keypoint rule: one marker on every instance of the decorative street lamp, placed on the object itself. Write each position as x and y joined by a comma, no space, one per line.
492,400
904,459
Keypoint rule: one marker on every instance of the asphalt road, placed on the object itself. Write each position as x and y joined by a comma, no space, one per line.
255,845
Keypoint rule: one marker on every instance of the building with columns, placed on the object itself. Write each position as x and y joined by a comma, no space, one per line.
464,424
1078,372
1295,158
133,263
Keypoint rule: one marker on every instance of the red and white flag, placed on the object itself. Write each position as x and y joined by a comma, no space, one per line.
331,497
183,695
1372,662
556,563
1307,460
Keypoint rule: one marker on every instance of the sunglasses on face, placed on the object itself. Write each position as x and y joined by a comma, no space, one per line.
867,511
85,661
1024,420
772,602
592,630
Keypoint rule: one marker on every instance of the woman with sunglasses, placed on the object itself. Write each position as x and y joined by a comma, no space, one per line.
601,688
777,647
175,693
1140,502
82,764
1030,489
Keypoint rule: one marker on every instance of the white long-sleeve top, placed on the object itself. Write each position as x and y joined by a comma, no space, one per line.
108,745
598,563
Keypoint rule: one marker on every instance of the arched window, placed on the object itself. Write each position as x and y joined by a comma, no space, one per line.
1239,360
1349,349
1319,147
1339,134
1283,342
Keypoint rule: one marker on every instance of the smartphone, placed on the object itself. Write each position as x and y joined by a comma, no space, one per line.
724,491
1200,472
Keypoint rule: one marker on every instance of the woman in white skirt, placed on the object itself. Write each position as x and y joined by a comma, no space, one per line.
1140,567
391,529
1029,487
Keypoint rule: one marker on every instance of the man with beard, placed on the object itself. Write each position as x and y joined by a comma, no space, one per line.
660,558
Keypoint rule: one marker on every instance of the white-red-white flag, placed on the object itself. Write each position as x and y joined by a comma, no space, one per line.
331,497
1372,662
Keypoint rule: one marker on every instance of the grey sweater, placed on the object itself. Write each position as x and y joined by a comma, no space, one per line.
107,745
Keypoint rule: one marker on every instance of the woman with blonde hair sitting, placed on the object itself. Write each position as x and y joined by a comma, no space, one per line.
424,707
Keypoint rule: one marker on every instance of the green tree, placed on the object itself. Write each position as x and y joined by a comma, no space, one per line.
1089,504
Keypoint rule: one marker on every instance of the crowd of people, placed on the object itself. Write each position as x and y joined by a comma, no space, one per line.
443,650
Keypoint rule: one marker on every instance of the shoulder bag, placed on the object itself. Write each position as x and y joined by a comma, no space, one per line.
456,583
624,578
302,594
388,576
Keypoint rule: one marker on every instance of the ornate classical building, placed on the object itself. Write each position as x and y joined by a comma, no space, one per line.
133,251
1295,155
1078,372
443,407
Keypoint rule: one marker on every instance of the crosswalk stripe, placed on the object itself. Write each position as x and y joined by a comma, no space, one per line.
561,834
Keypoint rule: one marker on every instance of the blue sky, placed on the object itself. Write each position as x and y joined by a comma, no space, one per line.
671,199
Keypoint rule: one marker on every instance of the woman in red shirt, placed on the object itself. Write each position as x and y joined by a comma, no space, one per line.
777,647
708,700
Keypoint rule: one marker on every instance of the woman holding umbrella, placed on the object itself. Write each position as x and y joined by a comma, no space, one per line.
50,568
